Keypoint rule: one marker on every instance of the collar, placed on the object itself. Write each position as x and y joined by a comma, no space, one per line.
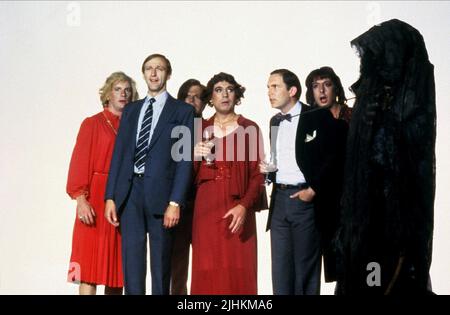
113,118
160,99
296,110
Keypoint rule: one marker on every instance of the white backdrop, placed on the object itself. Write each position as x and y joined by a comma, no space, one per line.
55,55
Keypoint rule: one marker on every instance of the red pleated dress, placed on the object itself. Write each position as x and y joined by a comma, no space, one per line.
96,250
222,262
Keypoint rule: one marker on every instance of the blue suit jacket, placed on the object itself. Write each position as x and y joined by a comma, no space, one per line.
165,178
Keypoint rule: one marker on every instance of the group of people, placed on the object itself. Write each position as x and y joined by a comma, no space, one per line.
341,187
128,184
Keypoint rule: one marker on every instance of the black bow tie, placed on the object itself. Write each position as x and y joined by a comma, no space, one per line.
280,117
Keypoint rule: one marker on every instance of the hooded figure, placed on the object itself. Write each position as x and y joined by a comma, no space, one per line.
389,186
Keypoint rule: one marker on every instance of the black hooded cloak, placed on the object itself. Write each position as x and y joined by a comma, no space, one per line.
389,186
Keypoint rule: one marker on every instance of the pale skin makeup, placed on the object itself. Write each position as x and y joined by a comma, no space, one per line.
119,97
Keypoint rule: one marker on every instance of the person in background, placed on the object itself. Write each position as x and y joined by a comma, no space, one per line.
96,246
193,93
324,90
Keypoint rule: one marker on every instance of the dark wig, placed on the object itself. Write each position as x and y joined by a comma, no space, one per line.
222,76
184,89
324,73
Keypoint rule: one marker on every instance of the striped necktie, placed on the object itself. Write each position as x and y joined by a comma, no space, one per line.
144,135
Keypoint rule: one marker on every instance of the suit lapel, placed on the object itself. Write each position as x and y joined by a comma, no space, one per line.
166,113
301,121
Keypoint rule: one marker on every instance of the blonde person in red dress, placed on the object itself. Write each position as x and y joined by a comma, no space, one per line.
96,248
229,191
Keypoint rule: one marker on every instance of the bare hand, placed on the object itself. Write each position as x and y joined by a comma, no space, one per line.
306,195
171,216
111,213
264,167
203,149
85,212
238,213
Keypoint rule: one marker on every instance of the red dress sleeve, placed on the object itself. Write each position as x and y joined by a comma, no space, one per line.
254,193
254,197
80,169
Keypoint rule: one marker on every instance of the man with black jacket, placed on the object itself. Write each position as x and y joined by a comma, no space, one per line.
301,187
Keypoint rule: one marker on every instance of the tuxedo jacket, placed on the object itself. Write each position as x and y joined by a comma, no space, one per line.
320,154
165,179
273,148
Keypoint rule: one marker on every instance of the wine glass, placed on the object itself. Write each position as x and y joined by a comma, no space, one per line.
208,136
268,166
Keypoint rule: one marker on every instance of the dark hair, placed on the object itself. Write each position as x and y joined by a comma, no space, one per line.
184,89
290,79
222,76
168,65
324,73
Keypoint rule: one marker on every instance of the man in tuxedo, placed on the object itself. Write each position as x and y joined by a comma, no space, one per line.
149,177
305,167
320,154
295,240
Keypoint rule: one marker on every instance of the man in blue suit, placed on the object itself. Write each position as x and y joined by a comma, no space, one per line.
150,173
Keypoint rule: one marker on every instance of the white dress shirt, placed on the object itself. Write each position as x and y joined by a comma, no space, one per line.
158,105
288,171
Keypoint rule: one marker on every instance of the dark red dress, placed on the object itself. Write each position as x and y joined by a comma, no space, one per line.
222,262
96,250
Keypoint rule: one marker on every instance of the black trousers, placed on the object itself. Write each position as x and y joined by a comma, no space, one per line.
295,242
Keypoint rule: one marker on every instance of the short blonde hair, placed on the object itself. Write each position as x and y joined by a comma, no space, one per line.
115,77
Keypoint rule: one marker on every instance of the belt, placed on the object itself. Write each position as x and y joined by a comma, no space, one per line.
138,175
222,172
298,186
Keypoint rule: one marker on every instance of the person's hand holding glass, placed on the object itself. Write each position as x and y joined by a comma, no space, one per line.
204,148
209,136
267,166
